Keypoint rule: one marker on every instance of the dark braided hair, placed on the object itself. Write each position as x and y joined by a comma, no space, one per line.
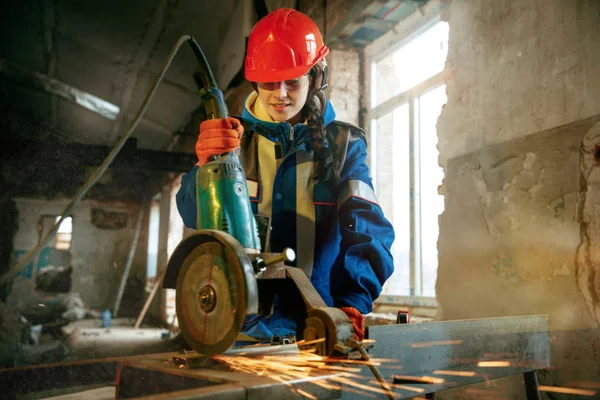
327,165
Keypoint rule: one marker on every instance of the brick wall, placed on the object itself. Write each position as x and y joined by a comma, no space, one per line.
344,65
517,142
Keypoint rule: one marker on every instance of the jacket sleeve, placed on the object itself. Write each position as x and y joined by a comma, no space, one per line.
365,260
186,199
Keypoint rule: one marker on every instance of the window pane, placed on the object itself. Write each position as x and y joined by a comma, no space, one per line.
415,62
153,239
62,240
66,226
432,204
392,177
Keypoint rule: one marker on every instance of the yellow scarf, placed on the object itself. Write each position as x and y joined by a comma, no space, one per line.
256,108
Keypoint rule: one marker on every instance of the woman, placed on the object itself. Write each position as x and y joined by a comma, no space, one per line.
306,173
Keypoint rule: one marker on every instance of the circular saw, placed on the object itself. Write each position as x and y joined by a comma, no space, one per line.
216,288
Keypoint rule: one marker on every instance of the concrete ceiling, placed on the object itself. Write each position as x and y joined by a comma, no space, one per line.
107,51
77,73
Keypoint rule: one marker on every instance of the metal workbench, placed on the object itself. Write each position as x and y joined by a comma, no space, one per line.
472,350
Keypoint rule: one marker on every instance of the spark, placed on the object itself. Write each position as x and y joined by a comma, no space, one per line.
295,358
586,385
41,305
455,373
360,362
373,361
350,375
344,369
280,379
307,367
493,364
360,385
410,388
305,343
437,343
422,379
303,393
565,390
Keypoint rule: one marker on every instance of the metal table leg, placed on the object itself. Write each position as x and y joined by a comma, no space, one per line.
531,385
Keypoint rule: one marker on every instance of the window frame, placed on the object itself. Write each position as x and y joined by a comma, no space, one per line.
373,54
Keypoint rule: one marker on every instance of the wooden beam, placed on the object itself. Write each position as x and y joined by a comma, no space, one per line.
57,154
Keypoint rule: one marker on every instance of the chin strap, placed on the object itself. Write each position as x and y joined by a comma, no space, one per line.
324,70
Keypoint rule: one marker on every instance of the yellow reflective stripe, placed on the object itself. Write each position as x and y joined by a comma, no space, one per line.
358,189
305,213
267,168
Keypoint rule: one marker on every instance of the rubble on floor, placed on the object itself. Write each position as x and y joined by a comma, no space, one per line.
43,328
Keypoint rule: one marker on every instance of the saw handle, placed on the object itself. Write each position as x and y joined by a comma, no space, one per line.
286,255
261,265
211,96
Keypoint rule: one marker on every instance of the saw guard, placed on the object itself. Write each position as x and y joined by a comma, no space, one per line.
231,264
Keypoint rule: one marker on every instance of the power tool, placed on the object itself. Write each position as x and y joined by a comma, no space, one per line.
219,272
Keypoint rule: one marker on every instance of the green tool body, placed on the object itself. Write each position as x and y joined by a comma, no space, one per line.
223,201
221,190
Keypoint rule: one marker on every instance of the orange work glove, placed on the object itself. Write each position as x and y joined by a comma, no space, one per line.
358,322
218,136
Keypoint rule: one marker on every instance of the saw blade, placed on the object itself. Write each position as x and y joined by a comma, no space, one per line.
211,297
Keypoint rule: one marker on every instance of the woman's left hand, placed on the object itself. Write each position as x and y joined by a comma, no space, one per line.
358,322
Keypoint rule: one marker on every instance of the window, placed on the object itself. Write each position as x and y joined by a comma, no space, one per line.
153,231
62,240
406,97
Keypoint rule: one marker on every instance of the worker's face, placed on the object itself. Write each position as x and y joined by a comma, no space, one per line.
284,100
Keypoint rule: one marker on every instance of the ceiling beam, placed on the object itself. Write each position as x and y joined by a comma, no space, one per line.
148,40
47,155
46,84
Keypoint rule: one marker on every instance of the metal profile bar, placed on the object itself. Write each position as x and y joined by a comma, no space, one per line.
414,261
461,345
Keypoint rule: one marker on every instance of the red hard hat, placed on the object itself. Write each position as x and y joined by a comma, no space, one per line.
284,45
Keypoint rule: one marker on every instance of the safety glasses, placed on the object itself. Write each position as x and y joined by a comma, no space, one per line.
292,84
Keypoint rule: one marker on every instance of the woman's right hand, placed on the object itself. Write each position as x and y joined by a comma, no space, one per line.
218,136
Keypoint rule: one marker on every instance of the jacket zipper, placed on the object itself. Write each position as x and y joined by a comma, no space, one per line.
287,143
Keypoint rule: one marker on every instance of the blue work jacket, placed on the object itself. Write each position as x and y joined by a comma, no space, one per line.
340,235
